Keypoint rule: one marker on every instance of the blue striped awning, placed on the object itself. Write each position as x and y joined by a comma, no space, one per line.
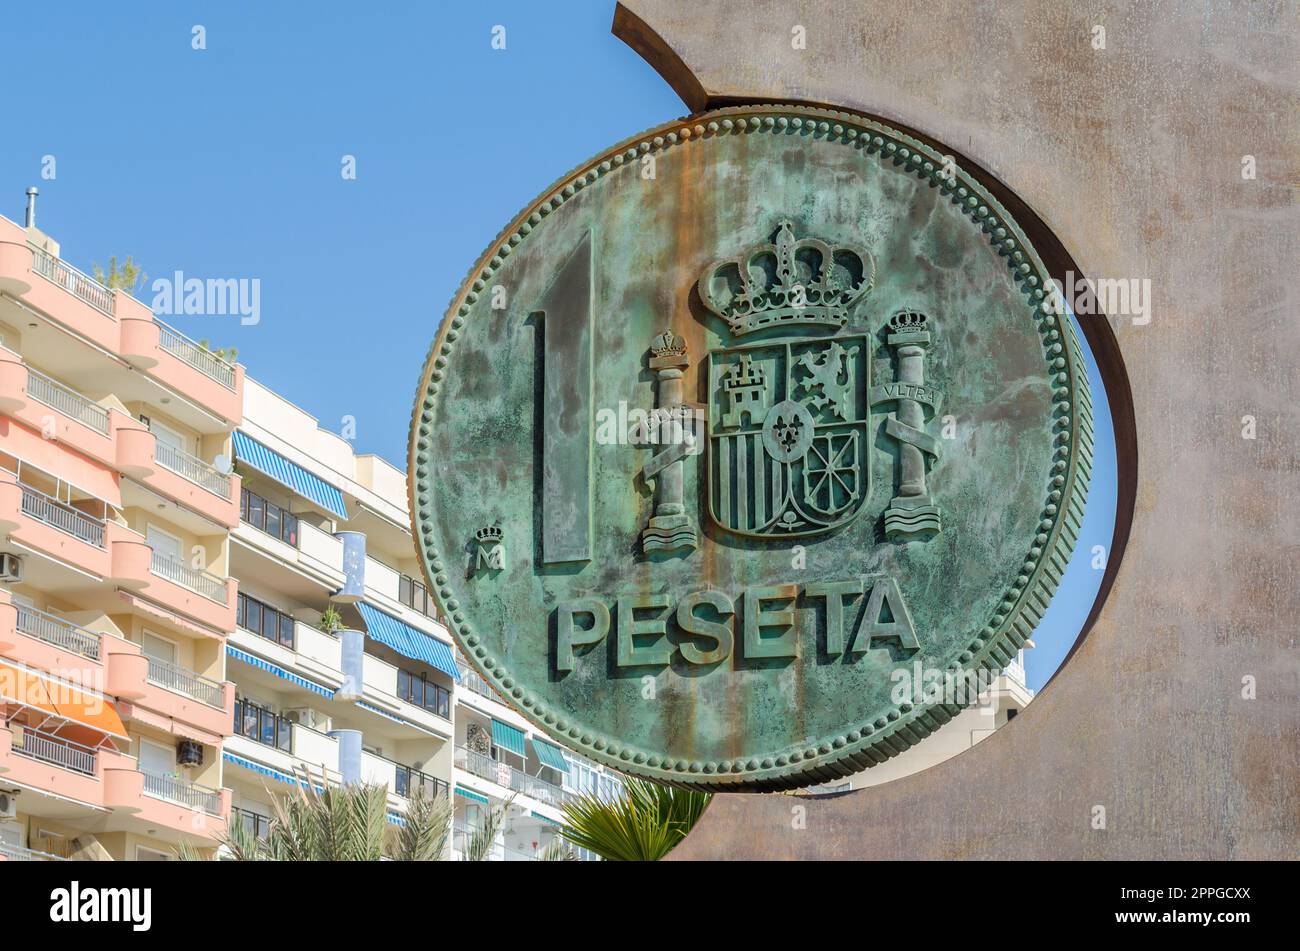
290,474
408,641
473,796
554,822
267,771
550,755
278,671
508,737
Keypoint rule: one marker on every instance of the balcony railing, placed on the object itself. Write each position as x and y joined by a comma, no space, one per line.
66,401
187,682
196,355
50,749
65,518
191,795
200,582
193,468
56,631
469,677
516,779
70,279
409,780
16,853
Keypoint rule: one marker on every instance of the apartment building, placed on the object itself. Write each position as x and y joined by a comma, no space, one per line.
379,694
997,704
117,600
207,598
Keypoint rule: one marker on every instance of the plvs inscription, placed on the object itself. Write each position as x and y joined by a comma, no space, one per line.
709,627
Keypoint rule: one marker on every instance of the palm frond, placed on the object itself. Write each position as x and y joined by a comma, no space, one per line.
479,841
557,851
642,825
422,836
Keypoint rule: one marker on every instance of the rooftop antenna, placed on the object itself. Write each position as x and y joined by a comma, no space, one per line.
31,205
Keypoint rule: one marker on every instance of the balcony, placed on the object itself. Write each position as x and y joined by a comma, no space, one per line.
57,632
117,323
503,774
283,563
401,780
192,591
186,682
200,582
67,401
194,483
410,780
61,516
79,285
470,680
67,535
196,355
190,795
55,751
11,853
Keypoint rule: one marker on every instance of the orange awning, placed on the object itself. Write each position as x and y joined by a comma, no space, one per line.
58,698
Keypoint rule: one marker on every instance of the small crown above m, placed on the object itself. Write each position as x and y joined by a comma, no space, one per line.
787,281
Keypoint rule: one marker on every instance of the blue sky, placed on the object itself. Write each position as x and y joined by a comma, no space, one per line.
225,162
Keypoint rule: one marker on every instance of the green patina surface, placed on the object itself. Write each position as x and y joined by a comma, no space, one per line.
749,644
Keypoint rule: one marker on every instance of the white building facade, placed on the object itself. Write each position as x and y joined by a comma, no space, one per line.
341,666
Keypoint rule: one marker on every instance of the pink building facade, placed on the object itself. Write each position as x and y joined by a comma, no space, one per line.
116,505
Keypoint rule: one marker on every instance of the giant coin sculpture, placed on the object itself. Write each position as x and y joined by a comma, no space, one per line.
747,446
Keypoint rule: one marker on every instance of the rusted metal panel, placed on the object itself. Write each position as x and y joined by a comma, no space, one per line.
1118,173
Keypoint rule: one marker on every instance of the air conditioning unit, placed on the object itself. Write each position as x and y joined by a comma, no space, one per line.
312,719
11,567
189,753
8,805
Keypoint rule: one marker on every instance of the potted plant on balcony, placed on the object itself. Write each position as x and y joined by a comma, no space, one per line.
331,621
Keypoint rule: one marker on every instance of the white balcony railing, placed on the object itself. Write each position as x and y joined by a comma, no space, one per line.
196,355
180,680
67,401
191,795
16,853
506,775
469,678
193,468
200,582
75,282
50,749
65,518
54,630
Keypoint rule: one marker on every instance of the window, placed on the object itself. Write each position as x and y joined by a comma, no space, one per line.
262,726
417,689
268,517
415,595
263,620
257,825
585,779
